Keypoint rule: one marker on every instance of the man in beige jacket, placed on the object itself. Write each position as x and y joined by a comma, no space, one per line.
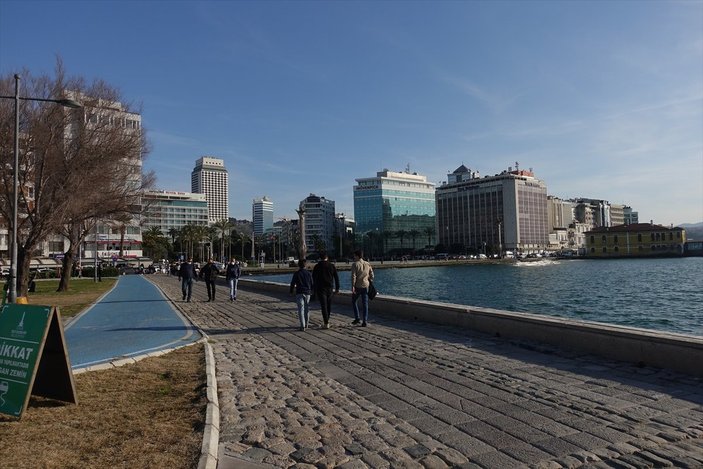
361,276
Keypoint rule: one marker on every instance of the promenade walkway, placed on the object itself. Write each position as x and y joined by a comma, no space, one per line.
408,394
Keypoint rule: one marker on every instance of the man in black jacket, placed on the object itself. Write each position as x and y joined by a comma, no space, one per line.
186,274
209,273
325,279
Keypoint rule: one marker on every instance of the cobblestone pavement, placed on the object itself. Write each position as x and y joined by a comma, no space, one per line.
408,394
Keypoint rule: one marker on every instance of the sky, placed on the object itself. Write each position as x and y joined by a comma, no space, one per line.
601,99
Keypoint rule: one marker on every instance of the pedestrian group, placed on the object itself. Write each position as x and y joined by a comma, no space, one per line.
321,284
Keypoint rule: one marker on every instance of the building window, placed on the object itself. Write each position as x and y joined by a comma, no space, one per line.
652,236
678,235
639,237
615,240
603,238
593,250
593,239
616,249
605,249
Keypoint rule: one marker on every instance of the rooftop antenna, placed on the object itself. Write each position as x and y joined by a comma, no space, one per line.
517,166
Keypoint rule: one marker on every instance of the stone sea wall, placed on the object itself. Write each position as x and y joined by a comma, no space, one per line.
679,352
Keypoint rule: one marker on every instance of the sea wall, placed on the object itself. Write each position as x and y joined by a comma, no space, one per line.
643,347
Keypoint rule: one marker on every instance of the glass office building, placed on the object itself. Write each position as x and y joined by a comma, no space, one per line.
262,215
394,212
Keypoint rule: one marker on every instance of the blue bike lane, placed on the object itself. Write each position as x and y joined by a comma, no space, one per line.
132,319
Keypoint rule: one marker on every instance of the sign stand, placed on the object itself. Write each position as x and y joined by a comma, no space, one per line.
33,357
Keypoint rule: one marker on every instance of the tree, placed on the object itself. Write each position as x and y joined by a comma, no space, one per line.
385,236
413,235
401,234
154,243
107,155
429,231
70,164
224,226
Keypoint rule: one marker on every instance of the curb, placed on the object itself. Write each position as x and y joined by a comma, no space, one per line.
211,432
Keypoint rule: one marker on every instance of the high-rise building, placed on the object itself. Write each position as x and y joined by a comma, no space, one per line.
507,211
393,210
262,215
319,223
168,210
630,216
210,177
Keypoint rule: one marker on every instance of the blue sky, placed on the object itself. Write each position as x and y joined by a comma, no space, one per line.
602,99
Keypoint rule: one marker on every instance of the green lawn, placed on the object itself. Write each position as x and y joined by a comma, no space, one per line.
81,294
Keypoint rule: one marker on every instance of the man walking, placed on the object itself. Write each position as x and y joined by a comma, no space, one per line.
186,274
325,278
361,276
209,273
232,275
302,284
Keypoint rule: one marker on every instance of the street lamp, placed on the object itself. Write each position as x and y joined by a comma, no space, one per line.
12,294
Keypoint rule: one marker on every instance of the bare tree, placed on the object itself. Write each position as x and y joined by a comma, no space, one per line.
76,166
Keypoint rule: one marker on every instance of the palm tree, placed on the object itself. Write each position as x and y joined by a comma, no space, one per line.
154,243
224,226
210,236
386,235
401,234
429,231
414,234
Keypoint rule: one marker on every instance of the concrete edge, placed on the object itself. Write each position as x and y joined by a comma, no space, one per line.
209,450
211,433
642,347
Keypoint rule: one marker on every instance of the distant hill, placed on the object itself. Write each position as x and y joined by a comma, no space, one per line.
694,231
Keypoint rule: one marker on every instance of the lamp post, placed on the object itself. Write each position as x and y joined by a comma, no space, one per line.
12,294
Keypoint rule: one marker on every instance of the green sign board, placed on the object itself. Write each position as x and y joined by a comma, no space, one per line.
33,357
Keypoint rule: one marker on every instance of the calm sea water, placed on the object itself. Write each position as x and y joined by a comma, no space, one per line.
659,294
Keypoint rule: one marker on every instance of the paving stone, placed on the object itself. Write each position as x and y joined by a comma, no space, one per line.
417,451
406,384
433,462
494,459
256,454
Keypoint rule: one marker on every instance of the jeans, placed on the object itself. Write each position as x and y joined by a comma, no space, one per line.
210,284
364,294
187,287
303,302
325,299
233,288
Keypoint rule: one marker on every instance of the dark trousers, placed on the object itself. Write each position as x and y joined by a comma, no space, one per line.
210,284
325,299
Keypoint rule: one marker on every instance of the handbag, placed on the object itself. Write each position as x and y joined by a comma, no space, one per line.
372,291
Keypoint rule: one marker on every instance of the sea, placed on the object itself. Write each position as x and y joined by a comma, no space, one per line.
659,294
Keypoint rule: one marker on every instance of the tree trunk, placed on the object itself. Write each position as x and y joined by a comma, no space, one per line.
66,269
23,261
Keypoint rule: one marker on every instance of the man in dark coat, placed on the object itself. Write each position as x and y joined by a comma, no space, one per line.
326,281
186,274
209,273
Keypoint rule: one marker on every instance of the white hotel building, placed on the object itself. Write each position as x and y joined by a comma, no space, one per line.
210,177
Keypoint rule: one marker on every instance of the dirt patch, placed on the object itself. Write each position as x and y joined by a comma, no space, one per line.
148,414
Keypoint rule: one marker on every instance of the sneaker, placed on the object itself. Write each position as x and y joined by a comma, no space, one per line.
327,325
184,297
363,324
355,321
302,329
